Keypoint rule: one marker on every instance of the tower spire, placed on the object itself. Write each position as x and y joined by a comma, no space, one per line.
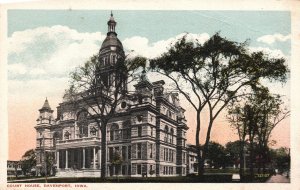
111,25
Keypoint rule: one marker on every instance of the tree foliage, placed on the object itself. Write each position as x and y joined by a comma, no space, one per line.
96,89
28,161
256,116
216,72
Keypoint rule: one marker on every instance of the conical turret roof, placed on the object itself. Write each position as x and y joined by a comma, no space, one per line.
46,106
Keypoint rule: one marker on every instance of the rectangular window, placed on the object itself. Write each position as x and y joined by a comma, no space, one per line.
124,170
167,155
124,153
110,152
151,131
117,149
139,131
139,150
129,152
139,169
151,147
129,169
126,133
164,154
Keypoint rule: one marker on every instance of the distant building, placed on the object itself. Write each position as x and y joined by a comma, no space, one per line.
148,130
14,168
192,161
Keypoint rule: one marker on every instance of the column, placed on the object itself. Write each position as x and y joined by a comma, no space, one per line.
83,158
94,158
72,158
57,159
99,158
67,166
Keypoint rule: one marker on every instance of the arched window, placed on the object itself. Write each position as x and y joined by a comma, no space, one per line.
82,124
140,118
114,132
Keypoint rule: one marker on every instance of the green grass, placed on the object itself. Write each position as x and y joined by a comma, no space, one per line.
23,177
211,178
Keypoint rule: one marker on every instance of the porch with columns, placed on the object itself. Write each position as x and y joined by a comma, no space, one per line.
78,162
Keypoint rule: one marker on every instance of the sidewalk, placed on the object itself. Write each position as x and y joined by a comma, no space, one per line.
278,179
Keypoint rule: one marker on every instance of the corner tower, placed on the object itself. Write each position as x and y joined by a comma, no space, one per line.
44,143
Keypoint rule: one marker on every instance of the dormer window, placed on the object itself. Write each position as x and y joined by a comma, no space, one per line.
67,135
93,131
123,105
139,118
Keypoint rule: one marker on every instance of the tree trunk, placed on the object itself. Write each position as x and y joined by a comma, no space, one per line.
251,160
242,163
103,151
205,148
202,162
198,143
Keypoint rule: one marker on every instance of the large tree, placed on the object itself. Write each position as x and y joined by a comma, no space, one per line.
217,155
212,74
28,161
256,115
97,92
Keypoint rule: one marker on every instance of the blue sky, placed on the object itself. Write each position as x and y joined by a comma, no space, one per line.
160,25
44,46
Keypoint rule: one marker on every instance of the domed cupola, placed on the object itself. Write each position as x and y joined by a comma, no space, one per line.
111,46
111,53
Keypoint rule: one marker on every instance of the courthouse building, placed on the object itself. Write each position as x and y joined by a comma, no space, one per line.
148,133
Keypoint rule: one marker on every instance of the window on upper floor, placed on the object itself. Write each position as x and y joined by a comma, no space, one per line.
139,150
67,135
172,136
139,131
139,118
114,131
126,129
166,134
129,152
151,150
124,153
151,132
93,131
82,124
169,114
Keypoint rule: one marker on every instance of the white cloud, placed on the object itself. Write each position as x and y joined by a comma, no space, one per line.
141,45
270,39
44,56
51,51
16,69
37,71
274,53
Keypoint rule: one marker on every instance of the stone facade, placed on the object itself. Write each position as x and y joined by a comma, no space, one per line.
147,133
